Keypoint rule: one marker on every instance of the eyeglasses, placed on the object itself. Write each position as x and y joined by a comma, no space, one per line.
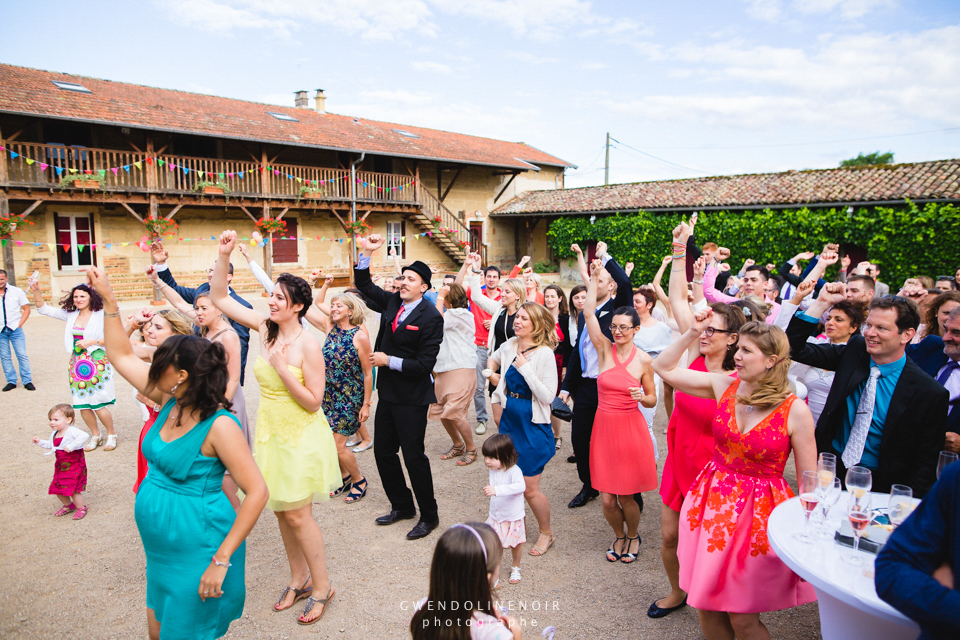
617,328
950,278
709,331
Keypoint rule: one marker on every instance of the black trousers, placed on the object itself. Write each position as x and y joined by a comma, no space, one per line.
581,427
402,428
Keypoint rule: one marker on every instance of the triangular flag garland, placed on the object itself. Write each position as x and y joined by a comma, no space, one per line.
186,170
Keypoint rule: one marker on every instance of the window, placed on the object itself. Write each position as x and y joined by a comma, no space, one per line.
74,237
71,86
395,231
282,116
287,250
405,134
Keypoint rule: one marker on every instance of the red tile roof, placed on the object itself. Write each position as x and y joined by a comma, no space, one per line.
920,181
32,92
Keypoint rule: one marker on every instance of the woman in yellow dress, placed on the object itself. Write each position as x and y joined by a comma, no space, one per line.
294,446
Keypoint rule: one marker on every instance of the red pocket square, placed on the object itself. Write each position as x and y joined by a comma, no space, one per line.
413,328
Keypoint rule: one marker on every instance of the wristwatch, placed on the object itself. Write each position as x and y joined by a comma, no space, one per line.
476,270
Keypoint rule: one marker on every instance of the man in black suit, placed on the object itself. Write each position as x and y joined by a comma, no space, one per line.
614,291
189,295
883,412
411,330
940,359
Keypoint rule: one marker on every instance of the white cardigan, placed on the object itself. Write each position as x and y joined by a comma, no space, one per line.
457,351
493,307
506,505
73,439
540,373
93,330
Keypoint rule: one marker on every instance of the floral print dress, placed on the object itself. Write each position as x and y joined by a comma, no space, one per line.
726,562
343,393
91,376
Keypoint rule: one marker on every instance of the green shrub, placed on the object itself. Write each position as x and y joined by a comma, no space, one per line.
905,241
545,266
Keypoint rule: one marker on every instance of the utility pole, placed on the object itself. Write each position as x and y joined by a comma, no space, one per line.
606,166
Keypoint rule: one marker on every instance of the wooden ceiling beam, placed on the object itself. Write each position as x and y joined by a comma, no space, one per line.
30,209
174,212
132,212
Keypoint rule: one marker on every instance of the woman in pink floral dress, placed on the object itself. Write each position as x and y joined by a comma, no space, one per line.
727,567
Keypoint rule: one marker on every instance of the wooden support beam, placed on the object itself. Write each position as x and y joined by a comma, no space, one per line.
283,212
505,187
342,223
450,186
163,148
412,175
247,211
365,214
30,209
440,180
255,158
16,135
174,212
132,212
274,158
135,147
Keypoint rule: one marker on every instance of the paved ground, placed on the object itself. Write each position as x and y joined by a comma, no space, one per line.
85,579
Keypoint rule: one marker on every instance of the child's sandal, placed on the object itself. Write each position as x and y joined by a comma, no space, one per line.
81,512
514,575
64,510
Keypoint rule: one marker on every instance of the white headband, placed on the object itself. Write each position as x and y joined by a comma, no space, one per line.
476,535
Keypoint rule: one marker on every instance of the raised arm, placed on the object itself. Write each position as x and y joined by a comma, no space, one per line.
657,279
117,344
160,256
581,264
43,308
396,261
361,274
699,268
624,295
678,279
319,313
600,342
257,270
220,292
518,268
171,295
467,264
696,383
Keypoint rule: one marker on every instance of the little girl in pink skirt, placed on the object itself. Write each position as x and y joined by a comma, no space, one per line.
506,497
70,468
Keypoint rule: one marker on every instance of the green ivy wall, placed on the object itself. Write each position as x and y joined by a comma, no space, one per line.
905,241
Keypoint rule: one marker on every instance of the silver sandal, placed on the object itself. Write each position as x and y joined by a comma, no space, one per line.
312,601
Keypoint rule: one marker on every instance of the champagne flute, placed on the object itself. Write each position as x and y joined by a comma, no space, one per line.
858,511
829,497
901,503
946,458
809,486
859,481
827,470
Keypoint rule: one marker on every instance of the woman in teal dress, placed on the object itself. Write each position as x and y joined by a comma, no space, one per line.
192,538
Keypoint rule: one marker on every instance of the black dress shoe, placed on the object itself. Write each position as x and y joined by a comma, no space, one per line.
10,387
423,529
656,612
582,498
396,516
572,459
29,387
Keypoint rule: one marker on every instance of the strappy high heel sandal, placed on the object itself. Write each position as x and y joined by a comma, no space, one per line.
627,558
298,595
312,601
455,451
467,458
356,493
613,556
345,487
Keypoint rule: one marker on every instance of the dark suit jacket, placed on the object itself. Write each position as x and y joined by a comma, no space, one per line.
189,295
416,340
915,427
623,298
929,356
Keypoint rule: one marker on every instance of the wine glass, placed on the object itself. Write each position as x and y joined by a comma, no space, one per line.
859,482
828,498
946,458
827,470
901,503
859,513
809,486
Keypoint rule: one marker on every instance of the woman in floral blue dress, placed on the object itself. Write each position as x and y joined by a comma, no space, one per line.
349,385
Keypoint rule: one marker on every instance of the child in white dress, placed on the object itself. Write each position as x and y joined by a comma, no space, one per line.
505,490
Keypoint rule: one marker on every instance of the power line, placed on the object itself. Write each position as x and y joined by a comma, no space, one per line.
592,162
660,159
807,144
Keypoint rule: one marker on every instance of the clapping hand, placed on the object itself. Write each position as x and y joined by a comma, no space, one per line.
228,242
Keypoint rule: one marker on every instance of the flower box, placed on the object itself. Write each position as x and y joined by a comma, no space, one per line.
81,183
214,191
312,195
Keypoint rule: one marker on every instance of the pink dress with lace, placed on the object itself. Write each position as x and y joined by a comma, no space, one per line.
726,562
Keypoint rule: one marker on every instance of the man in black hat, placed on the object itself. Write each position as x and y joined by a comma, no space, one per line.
411,330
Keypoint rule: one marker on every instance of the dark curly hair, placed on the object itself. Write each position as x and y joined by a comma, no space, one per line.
206,365
931,320
66,302
298,291
733,319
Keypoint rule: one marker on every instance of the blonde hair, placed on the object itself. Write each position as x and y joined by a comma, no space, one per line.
537,280
179,323
355,304
65,409
206,294
774,387
518,287
544,325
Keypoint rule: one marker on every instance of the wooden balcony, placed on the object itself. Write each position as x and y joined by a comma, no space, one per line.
57,172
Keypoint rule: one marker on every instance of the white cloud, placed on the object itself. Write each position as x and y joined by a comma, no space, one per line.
432,67
768,10
773,10
399,97
523,56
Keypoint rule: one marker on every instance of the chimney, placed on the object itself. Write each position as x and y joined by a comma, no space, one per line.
321,100
300,101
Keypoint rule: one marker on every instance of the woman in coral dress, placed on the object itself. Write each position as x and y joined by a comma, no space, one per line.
622,461
727,567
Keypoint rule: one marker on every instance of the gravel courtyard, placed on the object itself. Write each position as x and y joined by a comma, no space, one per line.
86,579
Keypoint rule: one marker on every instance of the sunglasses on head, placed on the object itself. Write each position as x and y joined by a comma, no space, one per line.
950,278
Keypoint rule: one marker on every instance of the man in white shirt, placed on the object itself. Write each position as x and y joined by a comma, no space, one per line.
15,312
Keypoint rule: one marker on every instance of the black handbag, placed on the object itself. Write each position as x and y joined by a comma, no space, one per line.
560,410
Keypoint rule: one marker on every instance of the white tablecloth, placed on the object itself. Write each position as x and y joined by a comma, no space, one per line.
848,601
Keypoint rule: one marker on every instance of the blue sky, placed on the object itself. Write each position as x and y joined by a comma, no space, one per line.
708,88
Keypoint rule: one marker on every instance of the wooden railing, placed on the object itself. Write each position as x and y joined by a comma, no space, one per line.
138,172
433,209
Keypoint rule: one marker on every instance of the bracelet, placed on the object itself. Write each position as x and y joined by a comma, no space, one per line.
681,269
700,282
111,315
221,564
678,256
